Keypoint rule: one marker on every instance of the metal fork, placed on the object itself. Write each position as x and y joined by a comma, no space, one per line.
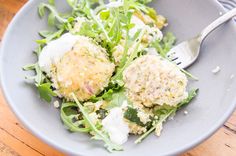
186,53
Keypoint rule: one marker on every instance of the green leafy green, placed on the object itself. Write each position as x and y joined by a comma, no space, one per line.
106,95
87,29
163,112
72,3
133,55
49,36
70,118
192,93
38,77
104,15
160,120
131,114
189,74
46,92
52,2
144,1
53,15
164,46
102,113
164,109
45,33
116,100
98,134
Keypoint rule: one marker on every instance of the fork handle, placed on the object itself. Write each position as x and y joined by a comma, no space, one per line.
224,18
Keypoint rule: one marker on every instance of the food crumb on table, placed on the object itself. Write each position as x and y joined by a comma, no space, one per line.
216,70
56,104
185,112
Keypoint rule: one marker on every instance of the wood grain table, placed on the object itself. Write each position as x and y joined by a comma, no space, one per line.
16,140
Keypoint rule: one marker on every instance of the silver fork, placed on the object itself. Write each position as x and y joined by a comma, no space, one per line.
186,53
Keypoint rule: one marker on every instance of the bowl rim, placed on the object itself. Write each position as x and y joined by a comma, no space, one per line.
63,149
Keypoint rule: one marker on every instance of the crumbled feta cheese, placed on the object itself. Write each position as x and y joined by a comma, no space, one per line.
144,118
124,104
56,104
216,70
116,127
158,129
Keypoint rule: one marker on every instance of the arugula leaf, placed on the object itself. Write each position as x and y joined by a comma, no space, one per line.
46,92
132,115
54,15
107,95
144,1
192,93
98,135
189,74
38,77
87,29
134,53
89,12
49,36
117,100
72,3
51,19
69,116
161,119
102,113
52,2
38,50
45,33
164,109
29,67
104,15
164,46
163,112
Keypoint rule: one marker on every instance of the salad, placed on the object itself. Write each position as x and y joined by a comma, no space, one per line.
105,66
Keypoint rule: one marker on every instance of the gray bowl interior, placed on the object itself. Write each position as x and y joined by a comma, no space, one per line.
215,102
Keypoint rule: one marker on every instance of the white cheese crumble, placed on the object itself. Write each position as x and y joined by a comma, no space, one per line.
124,104
116,127
55,49
56,104
216,70
144,118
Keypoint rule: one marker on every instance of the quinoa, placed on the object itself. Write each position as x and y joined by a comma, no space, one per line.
150,80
